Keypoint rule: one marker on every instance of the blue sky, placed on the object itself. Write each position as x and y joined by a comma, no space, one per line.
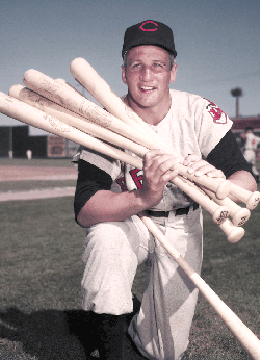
217,42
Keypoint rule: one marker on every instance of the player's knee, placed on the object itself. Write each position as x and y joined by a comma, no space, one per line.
106,241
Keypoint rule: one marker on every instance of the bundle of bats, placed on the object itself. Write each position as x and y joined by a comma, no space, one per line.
57,107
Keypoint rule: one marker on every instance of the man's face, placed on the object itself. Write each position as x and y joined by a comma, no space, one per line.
148,75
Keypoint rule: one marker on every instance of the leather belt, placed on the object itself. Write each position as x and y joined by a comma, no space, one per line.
180,211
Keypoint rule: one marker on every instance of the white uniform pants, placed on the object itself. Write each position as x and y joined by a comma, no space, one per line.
112,253
249,155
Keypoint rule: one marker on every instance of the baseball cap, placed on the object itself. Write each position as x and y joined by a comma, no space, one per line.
149,32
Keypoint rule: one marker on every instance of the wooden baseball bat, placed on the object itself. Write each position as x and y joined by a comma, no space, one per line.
251,199
219,214
23,112
238,214
65,115
244,335
66,97
102,92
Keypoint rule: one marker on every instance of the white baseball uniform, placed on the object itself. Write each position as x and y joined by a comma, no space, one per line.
251,144
160,330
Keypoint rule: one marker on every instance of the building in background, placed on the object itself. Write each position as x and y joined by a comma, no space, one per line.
59,147
15,142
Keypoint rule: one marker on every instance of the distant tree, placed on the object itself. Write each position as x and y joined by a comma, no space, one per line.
237,93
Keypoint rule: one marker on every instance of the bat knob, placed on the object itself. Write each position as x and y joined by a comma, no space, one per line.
241,217
235,235
220,215
223,189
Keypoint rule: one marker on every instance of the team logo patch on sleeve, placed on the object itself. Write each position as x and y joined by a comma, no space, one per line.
218,116
134,181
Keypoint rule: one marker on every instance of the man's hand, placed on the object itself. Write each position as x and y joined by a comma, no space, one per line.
156,174
200,167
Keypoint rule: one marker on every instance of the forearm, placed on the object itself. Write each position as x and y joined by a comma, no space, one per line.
107,206
243,179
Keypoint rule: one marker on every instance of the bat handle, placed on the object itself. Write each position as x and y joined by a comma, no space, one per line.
251,199
238,214
221,187
244,335
219,213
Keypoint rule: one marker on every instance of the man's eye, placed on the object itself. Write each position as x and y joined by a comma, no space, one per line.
136,65
158,65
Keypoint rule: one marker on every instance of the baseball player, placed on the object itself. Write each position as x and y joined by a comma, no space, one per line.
251,143
110,195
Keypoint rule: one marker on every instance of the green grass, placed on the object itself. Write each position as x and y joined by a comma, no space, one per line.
35,162
34,184
41,269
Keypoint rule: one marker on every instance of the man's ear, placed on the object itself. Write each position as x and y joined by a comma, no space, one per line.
173,73
124,75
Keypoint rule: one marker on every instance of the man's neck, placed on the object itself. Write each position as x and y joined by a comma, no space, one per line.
153,115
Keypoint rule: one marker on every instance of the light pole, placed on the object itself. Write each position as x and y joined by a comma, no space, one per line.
237,93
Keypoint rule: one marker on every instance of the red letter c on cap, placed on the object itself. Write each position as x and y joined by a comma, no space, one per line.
147,22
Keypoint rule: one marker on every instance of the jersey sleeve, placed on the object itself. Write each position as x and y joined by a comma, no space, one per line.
227,156
95,172
90,180
110,166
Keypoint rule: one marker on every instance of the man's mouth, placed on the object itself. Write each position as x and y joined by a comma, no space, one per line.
146,89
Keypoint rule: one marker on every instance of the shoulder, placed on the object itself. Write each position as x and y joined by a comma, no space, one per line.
185,96
111,166
196,106
188,102
192,99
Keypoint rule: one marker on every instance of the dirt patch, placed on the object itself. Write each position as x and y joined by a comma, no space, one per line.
19,173
38,194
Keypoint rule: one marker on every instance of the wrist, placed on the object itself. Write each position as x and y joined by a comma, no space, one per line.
145,200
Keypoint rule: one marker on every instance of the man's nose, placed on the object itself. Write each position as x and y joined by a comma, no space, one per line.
146,73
